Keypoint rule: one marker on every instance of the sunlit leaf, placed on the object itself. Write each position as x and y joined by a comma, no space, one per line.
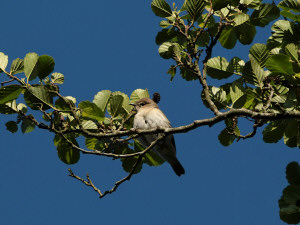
17,66
101,99
139,94
3,61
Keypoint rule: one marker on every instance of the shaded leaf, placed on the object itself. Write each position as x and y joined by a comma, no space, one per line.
264,15
91,110
161,8
289,204
245,33
38,96
11,126
293,173
9,93
226,138
292,133
280,64
165,51
228,37
219,68
274,131
66,153
27,126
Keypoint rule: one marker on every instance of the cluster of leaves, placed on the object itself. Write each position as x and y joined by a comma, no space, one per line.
290,201
108,112
268,82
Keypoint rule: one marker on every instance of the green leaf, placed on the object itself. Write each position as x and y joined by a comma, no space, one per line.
237,92
290,5
91,110
95,144
254,4
274,131
40,66
289,204
17,66
30,62
187,74
282,31
260,53
115,105
164,24
66,153
89,125
219,68
101,99
219,4
240,18
293,173
166,35
11,126
3,61
161,8
290,15
292,134
57,78
9,93
139,94
292,51
27,126
203,39
280,64
237,64
151,158
38,97
226,138
165,50
172,71
245,33
195,8
126,107
264,15
63,103
45,66
218,96
228,37
253,73
9,108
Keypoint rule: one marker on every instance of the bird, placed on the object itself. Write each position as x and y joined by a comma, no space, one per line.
149,116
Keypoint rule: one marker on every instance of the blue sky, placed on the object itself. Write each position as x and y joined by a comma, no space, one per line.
110,45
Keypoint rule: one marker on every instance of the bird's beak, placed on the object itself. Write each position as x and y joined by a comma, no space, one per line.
132,104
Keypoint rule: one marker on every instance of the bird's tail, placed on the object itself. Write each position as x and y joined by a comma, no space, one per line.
177,167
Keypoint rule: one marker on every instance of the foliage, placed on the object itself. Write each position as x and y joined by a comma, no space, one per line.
265,88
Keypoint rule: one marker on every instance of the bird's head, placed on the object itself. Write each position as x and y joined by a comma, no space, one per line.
144,103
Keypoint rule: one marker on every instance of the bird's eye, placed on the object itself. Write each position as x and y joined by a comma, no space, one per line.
142,103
